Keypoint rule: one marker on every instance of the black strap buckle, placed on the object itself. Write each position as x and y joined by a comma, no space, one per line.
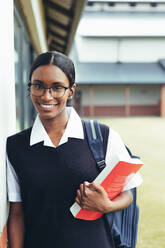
101,164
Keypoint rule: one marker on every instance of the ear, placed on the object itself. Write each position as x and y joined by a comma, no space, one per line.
72,90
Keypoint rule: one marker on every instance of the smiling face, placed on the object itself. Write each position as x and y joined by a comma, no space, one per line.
47,106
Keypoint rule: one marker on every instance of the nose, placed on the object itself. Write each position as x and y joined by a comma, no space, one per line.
47,94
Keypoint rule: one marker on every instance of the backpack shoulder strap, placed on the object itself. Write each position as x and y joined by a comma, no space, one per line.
122,225
96,142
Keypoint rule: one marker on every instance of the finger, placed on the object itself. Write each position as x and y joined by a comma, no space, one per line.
85,185
79,195
96,186
77,200
81,190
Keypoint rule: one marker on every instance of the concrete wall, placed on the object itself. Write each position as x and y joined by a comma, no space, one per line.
96,49
123,49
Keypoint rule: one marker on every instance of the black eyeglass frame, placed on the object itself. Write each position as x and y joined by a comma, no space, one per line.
46,88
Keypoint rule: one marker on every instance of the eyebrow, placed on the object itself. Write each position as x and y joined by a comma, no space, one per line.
41,82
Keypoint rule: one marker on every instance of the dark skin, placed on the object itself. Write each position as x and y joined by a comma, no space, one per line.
15,225
55,118
53,115
92,196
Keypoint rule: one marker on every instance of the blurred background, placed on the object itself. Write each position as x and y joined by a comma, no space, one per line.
118,48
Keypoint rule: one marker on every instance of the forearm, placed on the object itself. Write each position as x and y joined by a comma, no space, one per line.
120,202
15,232
15,227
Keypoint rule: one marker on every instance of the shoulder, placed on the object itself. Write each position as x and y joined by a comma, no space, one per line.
109,134
104,129
17,144
104,126
109,130
112,135
19,136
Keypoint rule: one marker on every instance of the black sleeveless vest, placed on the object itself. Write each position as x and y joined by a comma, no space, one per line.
49,178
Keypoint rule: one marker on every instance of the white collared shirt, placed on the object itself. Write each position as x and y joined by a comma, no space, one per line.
73,129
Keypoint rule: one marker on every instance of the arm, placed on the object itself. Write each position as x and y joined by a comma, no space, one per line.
123,200
16,225
92,196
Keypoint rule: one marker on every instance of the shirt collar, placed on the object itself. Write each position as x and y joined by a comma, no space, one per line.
74,129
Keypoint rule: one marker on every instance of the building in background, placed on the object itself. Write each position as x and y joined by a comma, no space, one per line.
120,58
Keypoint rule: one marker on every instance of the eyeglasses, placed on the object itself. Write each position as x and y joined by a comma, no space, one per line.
55,91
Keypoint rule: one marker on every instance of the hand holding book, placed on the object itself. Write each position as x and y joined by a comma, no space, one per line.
93,197
113,178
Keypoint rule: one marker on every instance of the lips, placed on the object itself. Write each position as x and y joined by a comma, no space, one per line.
47,106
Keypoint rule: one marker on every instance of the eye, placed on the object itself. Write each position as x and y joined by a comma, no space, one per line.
57,88
38,86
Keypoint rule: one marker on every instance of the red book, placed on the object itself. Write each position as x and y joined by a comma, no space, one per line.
112,178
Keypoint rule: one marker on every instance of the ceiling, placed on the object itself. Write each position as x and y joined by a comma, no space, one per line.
62,17
51,24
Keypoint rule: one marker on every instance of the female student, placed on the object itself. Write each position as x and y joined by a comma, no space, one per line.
50,166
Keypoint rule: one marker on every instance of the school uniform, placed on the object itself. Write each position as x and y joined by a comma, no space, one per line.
45,178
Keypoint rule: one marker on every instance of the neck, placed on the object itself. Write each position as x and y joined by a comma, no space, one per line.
57,124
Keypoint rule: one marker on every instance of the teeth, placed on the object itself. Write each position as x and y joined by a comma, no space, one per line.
47,105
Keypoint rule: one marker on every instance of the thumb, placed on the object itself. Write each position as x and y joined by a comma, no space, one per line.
96,186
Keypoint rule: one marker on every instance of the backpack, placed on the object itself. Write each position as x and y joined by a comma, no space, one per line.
122,225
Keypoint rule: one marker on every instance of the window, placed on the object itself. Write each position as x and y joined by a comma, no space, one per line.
23,58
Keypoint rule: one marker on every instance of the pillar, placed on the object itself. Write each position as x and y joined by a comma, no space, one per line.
7,103
162,101
91,101
127,101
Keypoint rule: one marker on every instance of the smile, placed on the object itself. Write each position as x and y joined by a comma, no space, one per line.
48,106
